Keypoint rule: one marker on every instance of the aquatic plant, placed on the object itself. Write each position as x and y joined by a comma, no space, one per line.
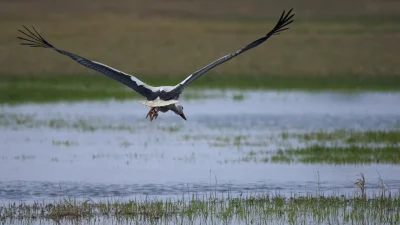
214,209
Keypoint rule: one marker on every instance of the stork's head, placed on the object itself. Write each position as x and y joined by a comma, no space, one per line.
179,111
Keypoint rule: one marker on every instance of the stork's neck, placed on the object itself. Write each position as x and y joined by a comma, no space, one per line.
173,108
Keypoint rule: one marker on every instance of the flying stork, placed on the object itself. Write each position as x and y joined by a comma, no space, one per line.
159,99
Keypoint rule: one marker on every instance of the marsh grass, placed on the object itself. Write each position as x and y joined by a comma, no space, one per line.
360,183
24,157
236,141
171,129
238,97
196,94
89,124
216,209
339,155
52,88
334,147
82,124
64,143
349,136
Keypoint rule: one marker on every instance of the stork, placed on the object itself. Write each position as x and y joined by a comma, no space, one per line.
159,99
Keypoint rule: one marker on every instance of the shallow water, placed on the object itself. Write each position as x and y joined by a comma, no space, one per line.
108,149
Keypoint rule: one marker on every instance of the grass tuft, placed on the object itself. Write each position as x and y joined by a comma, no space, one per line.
349,136
339,155
210,208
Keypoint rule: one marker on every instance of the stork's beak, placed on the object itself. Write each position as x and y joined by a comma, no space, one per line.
183,116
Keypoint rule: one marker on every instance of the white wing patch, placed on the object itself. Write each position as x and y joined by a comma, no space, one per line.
133,78
187,78
166,88
137,81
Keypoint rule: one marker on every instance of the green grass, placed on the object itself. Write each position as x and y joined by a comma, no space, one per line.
193,94
335,147
238,97
22,121
24,157
339,155
48,88
63,143
349,136
211,209
30,121
340,47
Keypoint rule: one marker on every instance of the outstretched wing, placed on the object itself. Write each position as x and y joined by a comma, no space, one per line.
284,20
32,39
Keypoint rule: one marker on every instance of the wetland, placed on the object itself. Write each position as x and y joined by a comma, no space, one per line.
269,156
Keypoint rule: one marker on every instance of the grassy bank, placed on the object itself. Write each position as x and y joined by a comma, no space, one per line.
47,88
194,209
329,47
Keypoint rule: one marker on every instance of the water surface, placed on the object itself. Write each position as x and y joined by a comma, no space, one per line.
108,149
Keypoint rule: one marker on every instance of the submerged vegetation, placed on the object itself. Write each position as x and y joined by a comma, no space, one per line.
334,147
88,124
31,121
339,155
349,136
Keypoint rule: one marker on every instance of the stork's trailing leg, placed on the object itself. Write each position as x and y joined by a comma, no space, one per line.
153,113
150,112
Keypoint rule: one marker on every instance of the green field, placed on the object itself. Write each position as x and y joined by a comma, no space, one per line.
47,88
340,47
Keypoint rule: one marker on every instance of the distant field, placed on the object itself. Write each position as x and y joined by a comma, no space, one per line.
47,88
346,45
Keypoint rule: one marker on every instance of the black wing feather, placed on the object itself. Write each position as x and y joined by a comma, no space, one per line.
284,20
36,40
